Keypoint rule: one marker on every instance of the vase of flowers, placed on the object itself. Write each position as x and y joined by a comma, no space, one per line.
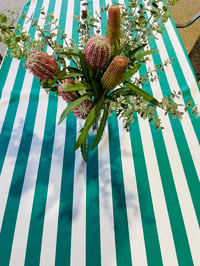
100,78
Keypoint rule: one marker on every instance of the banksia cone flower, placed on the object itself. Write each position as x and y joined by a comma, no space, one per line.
97,51
113,25
114,72
82,110
67,96
42,65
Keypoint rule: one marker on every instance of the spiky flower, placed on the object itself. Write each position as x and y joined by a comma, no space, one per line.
42,65
114,72
97,51
113,25
67,96
82,110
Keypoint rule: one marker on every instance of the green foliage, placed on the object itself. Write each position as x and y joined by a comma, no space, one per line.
141,21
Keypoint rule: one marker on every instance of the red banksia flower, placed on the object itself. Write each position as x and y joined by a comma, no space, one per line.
113,25
42,65
97,51
67,96
83,109
114,72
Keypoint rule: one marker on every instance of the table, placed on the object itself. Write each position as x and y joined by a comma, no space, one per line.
136,200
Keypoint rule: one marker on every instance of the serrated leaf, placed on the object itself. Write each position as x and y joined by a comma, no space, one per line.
138,91
76,87
84,150
137,49
100,129
72,105
84,67
130,73
141,55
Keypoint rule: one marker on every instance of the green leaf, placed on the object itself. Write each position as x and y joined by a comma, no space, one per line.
137,49
100,129
76,87
72,105
84,67
138,91
93,115
71,75
84,150
130,73
4,19
141,55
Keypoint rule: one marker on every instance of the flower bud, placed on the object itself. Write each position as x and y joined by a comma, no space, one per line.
113,25
83,109
97,51
67,96
114,72
42,65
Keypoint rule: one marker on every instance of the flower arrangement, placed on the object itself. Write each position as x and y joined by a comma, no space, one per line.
98,75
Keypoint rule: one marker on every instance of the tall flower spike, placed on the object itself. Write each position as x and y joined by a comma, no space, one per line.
113,25
42,65
114,72
67,96
97,51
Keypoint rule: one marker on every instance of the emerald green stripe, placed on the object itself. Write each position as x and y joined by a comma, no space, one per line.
184,151
122,242
152,245
182,82
63,248
10,215
8,60
174,211
39,203
93,250
183,48
10,115
14,100
40,196
4,70
104,18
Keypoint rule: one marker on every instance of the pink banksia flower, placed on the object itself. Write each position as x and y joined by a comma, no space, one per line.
114,72
42,65
83,109
68,96
97,51
113,25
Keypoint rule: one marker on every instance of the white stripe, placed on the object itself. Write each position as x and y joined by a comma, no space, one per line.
159,204
69,19
26,201
138,251
49,236
186,122
12,151
185,67
187,208
53,197
11,76
107,232
78,235
11,155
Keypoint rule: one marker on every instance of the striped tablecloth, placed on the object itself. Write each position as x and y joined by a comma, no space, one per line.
135,202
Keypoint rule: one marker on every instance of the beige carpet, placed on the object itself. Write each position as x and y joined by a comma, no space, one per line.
182,12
